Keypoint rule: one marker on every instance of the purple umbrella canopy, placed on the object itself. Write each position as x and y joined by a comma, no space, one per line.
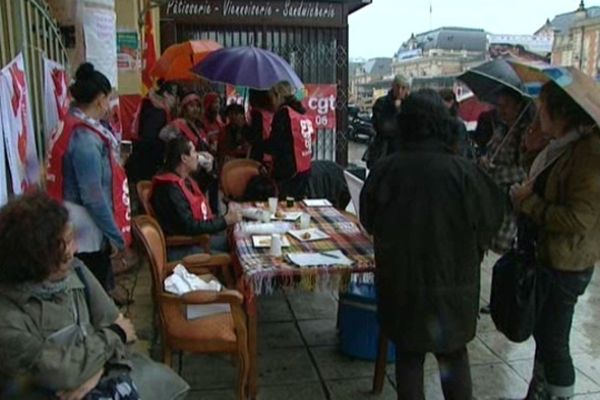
250,67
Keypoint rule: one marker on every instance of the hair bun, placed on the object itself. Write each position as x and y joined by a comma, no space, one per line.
85,71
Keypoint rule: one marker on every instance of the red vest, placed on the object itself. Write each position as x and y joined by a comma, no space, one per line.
267,122
183,127
303,134
213,129
195,198
55,177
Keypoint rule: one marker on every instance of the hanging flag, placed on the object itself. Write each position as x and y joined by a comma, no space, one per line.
3,187
149,53
17,123
56,95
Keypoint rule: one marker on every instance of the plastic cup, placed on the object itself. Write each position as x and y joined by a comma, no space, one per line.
304,221
275,250
273,201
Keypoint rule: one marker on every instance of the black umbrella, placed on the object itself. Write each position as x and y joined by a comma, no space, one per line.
488,79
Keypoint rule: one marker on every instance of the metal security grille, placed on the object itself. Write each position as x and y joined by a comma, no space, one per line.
28,26
318,55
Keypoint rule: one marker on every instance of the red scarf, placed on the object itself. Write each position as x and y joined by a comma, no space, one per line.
55,178
195,198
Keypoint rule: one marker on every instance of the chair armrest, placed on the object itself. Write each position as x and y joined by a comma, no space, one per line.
232,297
181,240
202,260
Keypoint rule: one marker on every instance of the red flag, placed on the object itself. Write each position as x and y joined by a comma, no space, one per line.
149,54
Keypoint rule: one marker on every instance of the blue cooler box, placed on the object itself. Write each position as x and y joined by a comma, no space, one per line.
358,325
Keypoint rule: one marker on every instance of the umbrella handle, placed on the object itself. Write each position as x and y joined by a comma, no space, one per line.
509,134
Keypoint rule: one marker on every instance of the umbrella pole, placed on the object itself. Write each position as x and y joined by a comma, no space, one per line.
509,133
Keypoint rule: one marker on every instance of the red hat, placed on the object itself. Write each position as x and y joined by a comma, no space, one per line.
210,99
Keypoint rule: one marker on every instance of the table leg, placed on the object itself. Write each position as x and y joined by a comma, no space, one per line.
380,364
253,350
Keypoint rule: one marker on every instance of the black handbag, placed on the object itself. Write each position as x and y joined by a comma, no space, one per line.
513,300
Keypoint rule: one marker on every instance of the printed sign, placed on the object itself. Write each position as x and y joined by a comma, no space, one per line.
17,124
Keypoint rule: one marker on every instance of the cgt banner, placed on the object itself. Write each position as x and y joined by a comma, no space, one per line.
320,102
18,126
56,95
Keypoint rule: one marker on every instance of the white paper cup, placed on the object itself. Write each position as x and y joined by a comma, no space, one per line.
275,250
304,221
265,216
273,204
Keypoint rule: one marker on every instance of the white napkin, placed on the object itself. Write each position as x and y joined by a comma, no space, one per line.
182,282
252,228
334,257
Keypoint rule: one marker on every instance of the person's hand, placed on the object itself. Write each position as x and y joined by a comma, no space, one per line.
520,192
81,391
128,328
233,216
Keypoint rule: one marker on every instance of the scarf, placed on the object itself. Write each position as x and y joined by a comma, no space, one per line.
552,152
46,290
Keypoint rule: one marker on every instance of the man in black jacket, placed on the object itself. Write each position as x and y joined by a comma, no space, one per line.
432,214
385,110
180,205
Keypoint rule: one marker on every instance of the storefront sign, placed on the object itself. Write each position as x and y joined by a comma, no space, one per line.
320,104
18,126
287,12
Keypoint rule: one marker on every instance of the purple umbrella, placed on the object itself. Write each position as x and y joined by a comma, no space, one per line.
247,66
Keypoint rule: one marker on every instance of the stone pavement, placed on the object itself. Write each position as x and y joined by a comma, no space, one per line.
298,356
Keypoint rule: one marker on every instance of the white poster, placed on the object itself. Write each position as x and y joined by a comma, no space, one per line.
17,124
3,187
100,36
56,95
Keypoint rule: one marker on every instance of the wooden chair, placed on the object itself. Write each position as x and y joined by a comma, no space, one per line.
218,333
144,189
235,176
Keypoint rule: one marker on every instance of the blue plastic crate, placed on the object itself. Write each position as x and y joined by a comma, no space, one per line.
358,325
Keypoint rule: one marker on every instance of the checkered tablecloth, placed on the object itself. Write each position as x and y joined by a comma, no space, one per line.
263,274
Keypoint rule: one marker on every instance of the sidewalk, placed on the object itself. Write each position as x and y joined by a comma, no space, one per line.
298,355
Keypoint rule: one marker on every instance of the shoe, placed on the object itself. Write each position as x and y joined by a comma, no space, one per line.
485,309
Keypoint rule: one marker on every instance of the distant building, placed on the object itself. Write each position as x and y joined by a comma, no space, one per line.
445,51
531,47
373,70
576,39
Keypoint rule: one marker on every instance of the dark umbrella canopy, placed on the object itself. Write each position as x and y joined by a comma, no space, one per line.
488,79
247,66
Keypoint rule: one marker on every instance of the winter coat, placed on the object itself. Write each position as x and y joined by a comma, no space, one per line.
568,211
40,341
432,215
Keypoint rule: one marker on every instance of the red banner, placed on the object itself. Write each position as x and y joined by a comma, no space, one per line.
320,103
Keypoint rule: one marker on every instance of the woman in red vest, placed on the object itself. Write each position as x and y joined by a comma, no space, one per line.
180,206
212,119
290,144
188,124
84,173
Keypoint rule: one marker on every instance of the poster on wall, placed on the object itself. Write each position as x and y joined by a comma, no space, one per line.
56,95
320,103
128,51
17,124
99,31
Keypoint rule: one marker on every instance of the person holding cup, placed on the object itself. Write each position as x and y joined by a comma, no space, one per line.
180,206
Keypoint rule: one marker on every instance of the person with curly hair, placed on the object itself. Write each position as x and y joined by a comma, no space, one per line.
61,336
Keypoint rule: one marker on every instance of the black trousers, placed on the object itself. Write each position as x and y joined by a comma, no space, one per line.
455,374
557,295
99,264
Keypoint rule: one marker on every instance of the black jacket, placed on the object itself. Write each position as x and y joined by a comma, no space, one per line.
281,143
175,216
432,215
253,133
385,124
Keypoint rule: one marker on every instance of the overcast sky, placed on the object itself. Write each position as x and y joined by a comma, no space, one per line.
379,29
